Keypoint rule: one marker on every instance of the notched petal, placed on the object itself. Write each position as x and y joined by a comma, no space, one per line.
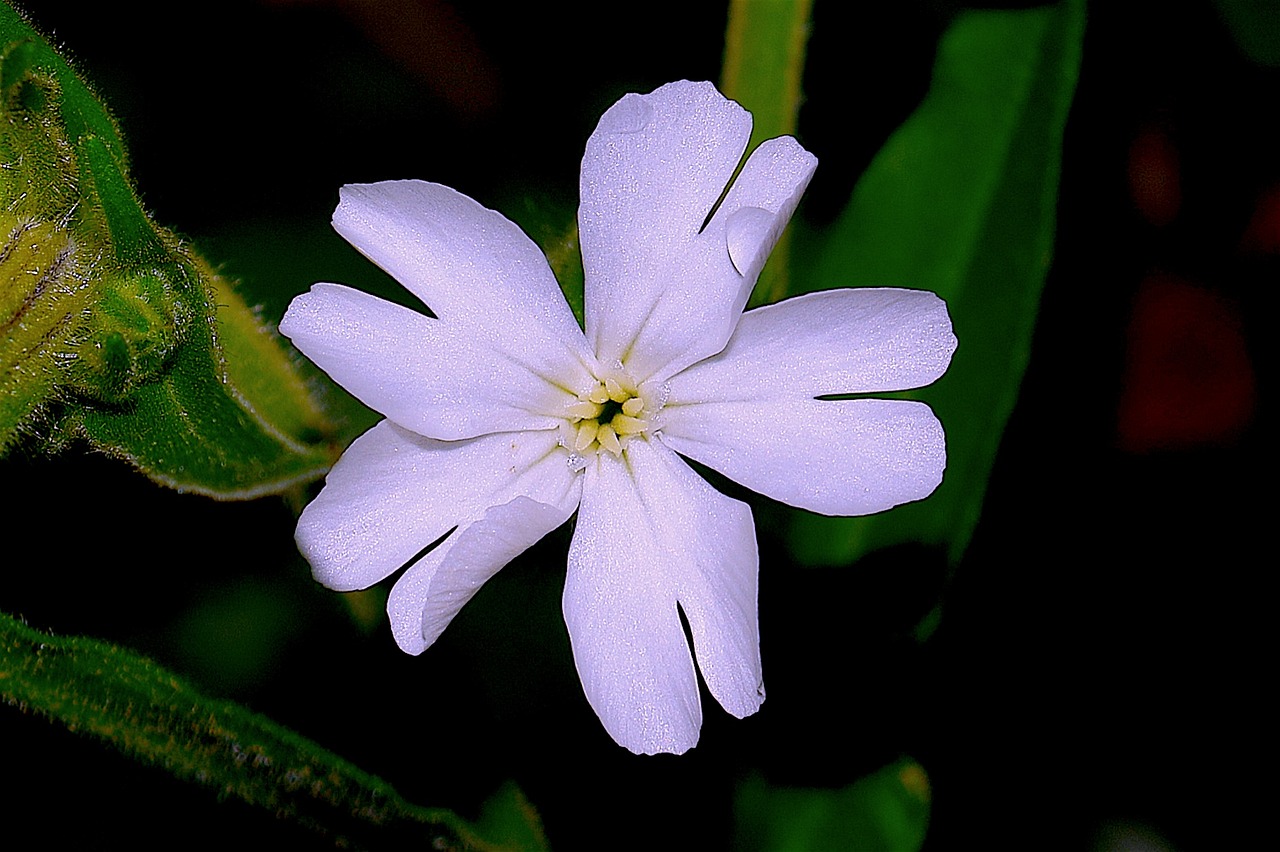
651,173
393,493
435,589
470,265
688,545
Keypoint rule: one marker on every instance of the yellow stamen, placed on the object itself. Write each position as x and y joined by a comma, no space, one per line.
609,440
624,425
616,392
633,406
587,431
585,410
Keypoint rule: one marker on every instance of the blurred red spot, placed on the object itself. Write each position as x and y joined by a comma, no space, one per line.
1155,182
1188,380
1263,234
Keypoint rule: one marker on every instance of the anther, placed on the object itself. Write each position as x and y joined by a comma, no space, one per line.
624,425
585,409
616,392
609,439
587,432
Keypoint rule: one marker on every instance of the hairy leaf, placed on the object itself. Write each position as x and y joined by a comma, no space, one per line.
119,697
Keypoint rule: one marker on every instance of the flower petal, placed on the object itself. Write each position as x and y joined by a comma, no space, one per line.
837,457
832,342
664,287
760,203
652,534
469,264
393,493
425,374
435,589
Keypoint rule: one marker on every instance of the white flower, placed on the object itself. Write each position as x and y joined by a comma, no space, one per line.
503,418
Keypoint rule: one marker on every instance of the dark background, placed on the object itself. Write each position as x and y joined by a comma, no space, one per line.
1100,656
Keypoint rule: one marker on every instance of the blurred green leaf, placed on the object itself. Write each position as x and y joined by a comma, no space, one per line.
111,329
554,227
1255,25
962,201
508,818
887,811
152,715
764,50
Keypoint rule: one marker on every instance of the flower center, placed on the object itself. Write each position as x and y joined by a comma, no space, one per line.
604,417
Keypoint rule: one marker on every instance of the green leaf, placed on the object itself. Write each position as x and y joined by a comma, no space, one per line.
764,54
961,200
150,714
887,811
111,329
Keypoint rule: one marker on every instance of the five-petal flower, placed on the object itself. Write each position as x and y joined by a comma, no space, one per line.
503,418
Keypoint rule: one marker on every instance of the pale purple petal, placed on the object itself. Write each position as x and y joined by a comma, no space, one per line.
435,588
760,203
394,492
661,291
427,375
470,265
652,534
837,457
832,342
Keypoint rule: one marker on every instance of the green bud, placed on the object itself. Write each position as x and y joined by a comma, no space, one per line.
109,328
135,327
